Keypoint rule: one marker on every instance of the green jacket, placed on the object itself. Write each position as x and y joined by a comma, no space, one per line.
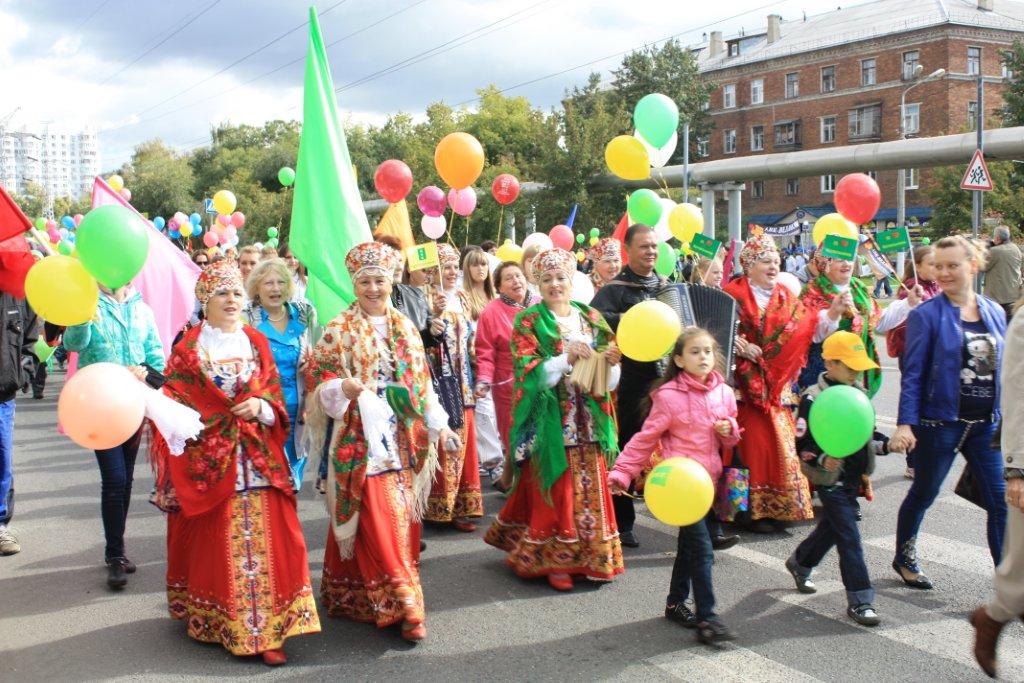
123,333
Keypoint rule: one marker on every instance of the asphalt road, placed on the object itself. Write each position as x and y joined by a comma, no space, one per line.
59,622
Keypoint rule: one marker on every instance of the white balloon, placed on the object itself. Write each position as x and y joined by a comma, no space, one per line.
492,261
661,230
658,156
433,226
582,288
540,239
258,245
790,282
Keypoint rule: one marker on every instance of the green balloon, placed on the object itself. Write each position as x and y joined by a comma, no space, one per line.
43,350
842,420
112,244
40,224
271,232
595,232
286,175
656,118
272,242
579,239
666,263
644,206
925,241
65,248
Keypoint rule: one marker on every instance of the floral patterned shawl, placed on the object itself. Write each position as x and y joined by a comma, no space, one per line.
204,475
537,409
783,331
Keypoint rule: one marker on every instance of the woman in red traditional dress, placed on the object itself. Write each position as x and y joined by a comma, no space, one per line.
774,335
559,521
378,467
236,557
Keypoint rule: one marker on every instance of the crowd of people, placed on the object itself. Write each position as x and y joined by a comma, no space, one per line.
436,382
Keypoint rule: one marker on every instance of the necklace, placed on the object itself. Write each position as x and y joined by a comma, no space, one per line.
284,314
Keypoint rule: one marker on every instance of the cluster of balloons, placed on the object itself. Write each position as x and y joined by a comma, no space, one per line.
272,234
857,198
116,184
656,120
61,235
111,247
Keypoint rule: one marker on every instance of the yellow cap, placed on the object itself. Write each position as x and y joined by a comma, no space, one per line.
848,348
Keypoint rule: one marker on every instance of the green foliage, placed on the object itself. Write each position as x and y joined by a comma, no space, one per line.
161,181
32,201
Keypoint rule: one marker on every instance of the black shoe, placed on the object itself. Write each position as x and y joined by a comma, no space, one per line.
865,615
116,577
423,545
857,514
129,566
763,526
803,583
721,541
921,582
628,539
713,631
37,396
681,614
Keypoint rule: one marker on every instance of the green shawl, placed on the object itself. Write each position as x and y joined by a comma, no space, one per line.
537,417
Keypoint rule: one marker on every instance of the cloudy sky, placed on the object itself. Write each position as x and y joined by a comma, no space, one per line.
149,68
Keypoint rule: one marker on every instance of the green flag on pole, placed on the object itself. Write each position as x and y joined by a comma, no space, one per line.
327,211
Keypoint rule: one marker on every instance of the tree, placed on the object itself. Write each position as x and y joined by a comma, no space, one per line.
32,201
67,206
161,180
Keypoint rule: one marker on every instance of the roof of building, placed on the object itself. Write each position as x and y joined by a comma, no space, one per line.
863,22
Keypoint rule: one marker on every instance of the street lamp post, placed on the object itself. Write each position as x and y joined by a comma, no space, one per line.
901,178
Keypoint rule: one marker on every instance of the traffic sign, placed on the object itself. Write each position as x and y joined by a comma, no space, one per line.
209,206
977,176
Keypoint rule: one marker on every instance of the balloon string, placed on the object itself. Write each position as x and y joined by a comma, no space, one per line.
501,221
466,243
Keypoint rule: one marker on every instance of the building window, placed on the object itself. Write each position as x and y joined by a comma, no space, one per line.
702,147
972,115
757,91
911,119
757,189
867,71
866,122
828,183
910,179
828,78
973,61
792,85
787,133
1007,71
729,141
828,128
734,49
757,139
911,59
792,187
729,96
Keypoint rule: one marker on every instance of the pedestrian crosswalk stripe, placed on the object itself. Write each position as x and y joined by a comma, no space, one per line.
964,557
728,663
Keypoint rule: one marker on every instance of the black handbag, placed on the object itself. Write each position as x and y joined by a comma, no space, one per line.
448,388
967,488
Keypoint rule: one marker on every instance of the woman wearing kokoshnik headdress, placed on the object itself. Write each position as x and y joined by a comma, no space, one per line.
236,558
775,332
558,522
607,258
376,488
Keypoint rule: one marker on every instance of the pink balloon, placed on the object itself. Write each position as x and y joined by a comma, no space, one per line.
126,193
172,224
238,219
562,237
433,226
53,235
181,218
790,282
78,218
431,200
51,225
224,219
462,201
211,239
230,232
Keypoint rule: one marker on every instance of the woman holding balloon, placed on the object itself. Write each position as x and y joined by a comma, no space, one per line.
558,522
775,332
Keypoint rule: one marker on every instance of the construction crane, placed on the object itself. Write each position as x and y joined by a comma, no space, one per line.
3,134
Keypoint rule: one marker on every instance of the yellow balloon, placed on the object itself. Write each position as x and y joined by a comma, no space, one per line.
685,221
648,330
61,291
185,230
510,251
116,183
224,201
833,224
627,158
679,492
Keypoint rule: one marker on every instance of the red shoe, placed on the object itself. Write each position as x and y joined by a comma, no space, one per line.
560,582
274,657
464,525
414,632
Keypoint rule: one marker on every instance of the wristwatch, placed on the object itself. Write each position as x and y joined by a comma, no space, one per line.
1013,473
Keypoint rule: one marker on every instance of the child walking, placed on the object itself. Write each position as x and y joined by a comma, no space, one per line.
692,412
837,482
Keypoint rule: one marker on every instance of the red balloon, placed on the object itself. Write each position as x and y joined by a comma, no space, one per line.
562,237
505,188
857,197
393,180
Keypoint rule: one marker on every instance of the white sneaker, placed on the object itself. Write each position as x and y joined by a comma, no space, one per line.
8,542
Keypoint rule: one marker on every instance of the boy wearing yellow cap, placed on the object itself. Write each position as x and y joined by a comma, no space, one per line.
837,483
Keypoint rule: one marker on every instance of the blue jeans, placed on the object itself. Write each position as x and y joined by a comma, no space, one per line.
838,527
934,455
6,461
117,468
883,284
694,558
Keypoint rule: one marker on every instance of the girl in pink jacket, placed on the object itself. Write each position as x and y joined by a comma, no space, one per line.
692,414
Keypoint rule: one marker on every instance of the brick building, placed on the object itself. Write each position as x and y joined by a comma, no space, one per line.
836,79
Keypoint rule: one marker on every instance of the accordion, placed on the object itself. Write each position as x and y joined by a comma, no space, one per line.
706,307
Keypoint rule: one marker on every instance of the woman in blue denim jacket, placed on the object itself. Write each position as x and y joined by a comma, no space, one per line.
949,399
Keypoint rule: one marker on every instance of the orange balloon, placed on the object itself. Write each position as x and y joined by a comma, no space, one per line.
101,406
459,159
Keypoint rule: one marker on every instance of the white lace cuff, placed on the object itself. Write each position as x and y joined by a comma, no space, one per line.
333,399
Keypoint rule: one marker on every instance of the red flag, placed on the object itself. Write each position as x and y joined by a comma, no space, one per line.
620,235
12,220
15,256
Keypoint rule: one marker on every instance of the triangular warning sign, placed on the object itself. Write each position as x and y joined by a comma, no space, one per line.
977,177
